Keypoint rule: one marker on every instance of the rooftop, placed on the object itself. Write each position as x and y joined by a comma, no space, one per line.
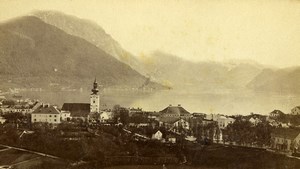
46,110
77,109
178,110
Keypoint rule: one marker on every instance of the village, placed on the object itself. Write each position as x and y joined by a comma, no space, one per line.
277,132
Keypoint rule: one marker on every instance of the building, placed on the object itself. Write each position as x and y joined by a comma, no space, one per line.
2,120
157,135
65,115
286,140
175,112
77,110
275,114
46,114
295,110
182,123
134,111
106,116
222,120
254,121
95,99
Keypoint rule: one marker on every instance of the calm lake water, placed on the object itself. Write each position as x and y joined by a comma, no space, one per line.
237,102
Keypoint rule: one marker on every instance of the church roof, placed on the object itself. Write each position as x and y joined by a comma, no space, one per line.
177,110
77,109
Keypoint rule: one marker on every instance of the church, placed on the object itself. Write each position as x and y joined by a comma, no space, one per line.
90,112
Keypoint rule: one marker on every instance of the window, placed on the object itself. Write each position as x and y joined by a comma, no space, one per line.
94,101
54,119
54,115
34,120
49,115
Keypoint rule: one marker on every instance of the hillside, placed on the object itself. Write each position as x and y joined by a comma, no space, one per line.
92,33
36,54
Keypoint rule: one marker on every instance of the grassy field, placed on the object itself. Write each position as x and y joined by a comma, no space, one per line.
23,160
11,156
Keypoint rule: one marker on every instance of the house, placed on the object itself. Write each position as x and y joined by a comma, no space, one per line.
175,125
254,121
106,116
182,123
46,114
65,115
157,135
133,111
275,114
295,110
224,121
2,120
286,140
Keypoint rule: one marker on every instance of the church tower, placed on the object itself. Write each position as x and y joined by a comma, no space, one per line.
95,99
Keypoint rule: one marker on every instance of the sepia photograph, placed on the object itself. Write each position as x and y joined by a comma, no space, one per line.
149,84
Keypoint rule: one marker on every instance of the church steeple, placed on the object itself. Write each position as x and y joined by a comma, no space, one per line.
95,99
95,87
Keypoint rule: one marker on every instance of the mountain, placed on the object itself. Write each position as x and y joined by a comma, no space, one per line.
92,33
285,80
161,67
176,72
36,54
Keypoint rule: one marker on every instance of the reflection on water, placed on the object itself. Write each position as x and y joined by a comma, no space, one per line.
241,102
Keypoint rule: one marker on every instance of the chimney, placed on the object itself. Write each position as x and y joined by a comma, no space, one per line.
179,105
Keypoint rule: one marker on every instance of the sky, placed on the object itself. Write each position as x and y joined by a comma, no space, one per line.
266,31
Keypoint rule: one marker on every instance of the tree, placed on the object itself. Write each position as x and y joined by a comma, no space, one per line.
124,116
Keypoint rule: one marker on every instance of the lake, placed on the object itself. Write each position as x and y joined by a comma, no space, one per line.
233,102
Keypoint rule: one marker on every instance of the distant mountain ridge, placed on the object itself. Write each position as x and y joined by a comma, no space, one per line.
282,81
176,72
34,54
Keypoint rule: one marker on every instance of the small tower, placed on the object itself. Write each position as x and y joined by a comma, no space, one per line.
95,99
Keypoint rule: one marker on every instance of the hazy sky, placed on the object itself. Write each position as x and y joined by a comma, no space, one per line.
267,31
